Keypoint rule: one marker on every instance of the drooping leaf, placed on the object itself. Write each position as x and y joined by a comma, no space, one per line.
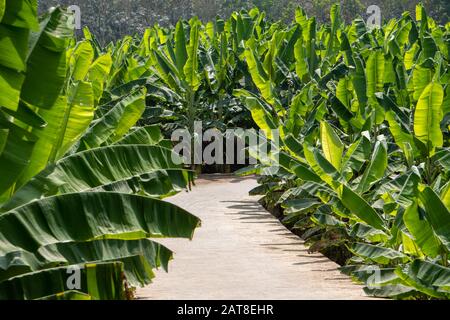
359,207
421,230
101,281
430,278
377,254
93,169
437,214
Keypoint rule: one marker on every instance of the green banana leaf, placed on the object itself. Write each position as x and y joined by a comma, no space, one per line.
20,14
116,122
360,208
91,216
378,254
101,281
67,120
141,252
429,278
376,168
437,214
191,67
46,62
332,145
150,135
94,169
98,73
181,53
428,116
422,231
81,60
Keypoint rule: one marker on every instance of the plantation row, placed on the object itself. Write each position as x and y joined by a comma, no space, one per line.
80,187
363,116
364,120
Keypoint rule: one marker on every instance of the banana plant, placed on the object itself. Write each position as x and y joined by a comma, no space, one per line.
363,150
363,115
80,190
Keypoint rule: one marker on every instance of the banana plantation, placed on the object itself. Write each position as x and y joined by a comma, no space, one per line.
87,167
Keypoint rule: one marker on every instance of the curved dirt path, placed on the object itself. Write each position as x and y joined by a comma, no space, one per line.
242,252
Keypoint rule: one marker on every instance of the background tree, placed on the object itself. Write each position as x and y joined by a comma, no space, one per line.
112,19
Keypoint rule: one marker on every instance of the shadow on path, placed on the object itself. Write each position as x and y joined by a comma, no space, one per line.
242,252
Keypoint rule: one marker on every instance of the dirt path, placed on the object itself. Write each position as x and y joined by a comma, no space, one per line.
243,252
